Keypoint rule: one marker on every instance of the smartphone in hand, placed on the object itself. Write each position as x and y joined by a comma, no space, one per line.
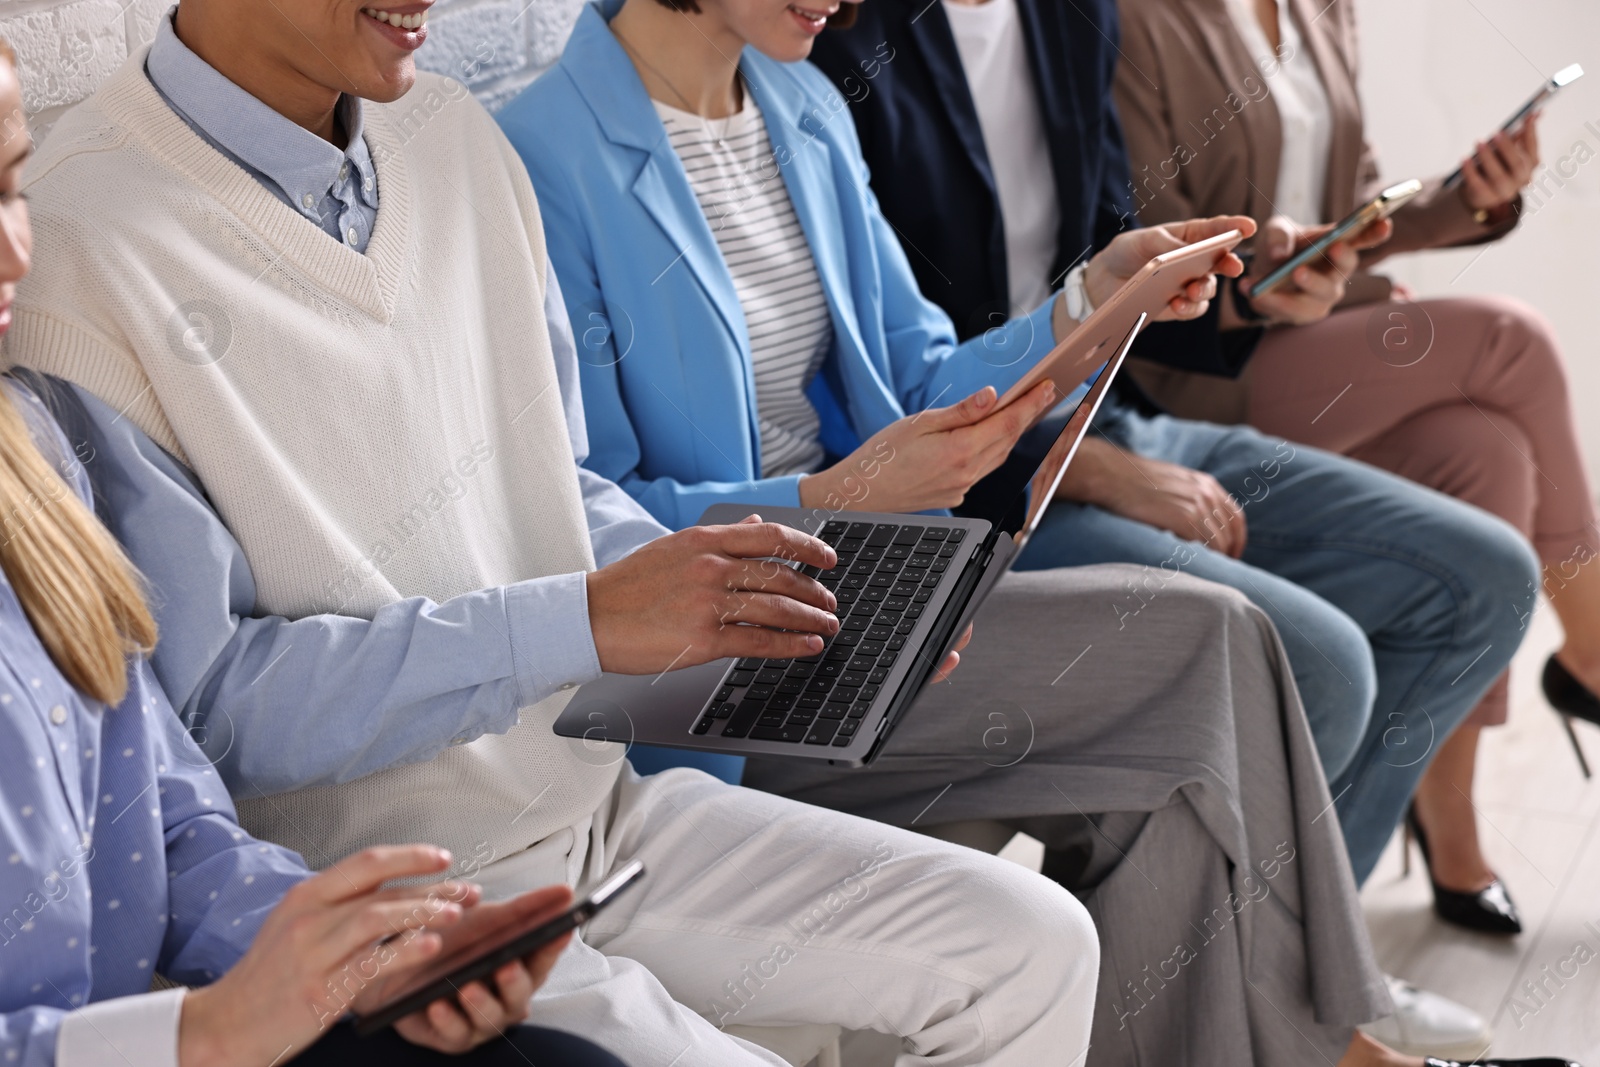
1377,209
476,961
1562,78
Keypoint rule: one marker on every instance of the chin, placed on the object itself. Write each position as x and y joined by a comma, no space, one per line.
388,85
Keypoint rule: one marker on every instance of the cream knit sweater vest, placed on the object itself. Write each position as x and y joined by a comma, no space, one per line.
335,405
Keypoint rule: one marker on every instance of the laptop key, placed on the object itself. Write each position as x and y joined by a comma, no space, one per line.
908,535
802,718
936,533
791,687
871,552
915,611
859,709
769,676
832,711
891,566
792,734
870,649
810,702
881,581
895,644
869,693
861,663
856,622
849,727
742,678
759,692
956,535
923,596
801,670
904,588
837,655
822,732
897,552
724,693
855,678
896,603
704,725
948,551
744,717
722,710
933,579
905,627
772,718
887,659
881,536
781,702
878,677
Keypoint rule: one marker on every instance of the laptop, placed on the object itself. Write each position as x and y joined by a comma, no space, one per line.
907,586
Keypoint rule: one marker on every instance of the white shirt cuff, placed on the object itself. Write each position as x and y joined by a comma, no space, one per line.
142,1029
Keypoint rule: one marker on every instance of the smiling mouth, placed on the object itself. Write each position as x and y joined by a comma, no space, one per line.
813,15
401,22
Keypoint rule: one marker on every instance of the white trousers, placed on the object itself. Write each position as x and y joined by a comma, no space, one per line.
759,912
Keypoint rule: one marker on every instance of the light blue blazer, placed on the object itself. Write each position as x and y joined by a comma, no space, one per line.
664,350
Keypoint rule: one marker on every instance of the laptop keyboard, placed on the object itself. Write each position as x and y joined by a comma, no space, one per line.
884,579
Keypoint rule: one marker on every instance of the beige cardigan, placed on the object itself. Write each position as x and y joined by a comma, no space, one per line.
1204,138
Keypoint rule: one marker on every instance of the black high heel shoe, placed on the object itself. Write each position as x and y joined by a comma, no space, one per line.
1488,911
1542,1061
1572,700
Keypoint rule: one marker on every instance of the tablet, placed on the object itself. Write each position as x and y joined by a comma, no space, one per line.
475,961
1559,81
1147,293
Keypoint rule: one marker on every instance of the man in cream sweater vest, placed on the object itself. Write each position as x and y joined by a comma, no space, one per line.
385,413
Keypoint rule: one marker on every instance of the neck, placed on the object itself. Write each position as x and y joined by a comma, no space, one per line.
685,60
233,49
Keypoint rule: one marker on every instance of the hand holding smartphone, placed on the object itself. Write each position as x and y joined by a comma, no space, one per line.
1559,81
483,957
1377,209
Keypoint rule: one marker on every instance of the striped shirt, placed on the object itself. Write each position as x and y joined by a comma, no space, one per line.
735,178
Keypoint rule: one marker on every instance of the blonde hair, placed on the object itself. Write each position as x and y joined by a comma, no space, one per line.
72,579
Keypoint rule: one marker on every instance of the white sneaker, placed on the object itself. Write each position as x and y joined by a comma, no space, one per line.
1426,1024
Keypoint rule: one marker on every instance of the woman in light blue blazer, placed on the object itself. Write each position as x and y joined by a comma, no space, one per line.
643,279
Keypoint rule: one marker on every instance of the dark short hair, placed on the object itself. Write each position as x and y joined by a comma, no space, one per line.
681,5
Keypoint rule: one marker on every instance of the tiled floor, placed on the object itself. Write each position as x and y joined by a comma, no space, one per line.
1541,827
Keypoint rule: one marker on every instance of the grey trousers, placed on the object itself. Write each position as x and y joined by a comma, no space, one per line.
1164,760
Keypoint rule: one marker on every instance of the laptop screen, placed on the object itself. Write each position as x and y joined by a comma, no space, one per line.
1014,496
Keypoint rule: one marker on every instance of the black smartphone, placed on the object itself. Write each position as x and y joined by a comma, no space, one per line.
448,975
1378,208
1562,78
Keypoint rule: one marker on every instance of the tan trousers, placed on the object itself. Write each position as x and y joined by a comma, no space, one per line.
1465,395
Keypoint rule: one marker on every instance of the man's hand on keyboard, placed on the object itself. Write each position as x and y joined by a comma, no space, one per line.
710,592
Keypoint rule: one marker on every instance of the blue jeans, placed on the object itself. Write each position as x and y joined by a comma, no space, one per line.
1398,605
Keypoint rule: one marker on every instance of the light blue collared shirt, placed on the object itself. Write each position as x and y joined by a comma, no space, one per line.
336,190
120,856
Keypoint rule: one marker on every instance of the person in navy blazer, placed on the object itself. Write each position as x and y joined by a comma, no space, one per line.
1149,486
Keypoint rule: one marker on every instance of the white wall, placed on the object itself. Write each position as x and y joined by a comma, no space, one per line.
1438,74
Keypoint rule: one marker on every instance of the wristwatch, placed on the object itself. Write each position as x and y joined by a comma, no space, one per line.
1076,294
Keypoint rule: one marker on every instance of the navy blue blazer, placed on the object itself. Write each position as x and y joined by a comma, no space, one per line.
899,68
